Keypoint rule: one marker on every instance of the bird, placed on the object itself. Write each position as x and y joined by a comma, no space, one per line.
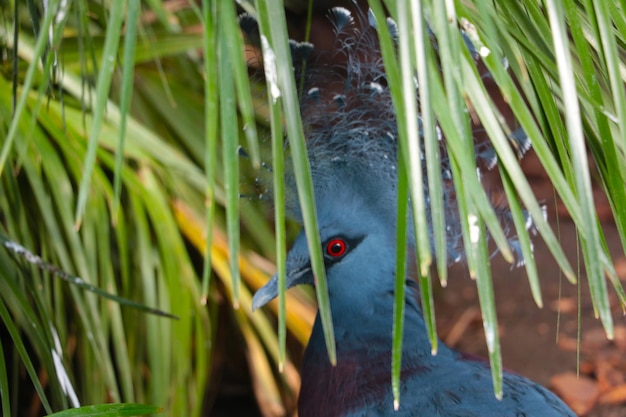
359,247
351,134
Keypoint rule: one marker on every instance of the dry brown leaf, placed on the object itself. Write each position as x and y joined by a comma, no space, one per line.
580,393
608,377
587,367
615,396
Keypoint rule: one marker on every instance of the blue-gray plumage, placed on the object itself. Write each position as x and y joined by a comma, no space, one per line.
358,236
351,133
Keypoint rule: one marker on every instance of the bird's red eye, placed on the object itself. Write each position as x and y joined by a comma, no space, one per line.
336,248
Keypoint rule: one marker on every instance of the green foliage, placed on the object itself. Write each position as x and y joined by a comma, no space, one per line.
61,142
109,410
119,164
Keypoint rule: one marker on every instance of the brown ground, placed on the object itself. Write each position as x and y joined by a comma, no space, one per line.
540,343
528,334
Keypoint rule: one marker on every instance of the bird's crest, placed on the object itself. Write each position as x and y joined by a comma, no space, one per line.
350,123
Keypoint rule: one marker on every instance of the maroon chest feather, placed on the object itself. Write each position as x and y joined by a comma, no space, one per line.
356,381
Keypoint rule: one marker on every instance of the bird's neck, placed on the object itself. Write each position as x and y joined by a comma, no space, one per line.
364,342
369,326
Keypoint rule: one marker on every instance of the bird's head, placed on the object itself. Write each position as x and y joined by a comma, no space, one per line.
352,142
357,226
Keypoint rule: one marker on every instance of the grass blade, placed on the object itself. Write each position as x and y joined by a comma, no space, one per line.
40,47
590,242
408,130
36,260
109,59
272,23
431,142
130,41
400,289
234,42
230,154
110,410
211,126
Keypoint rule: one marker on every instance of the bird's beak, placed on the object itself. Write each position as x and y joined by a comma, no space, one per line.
269,291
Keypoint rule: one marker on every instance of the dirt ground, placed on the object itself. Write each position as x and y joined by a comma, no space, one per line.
528,335
542,343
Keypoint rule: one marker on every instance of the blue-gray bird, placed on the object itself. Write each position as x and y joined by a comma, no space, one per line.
358,234
351,134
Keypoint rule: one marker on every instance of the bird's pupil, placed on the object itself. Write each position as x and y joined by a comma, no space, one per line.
336,247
